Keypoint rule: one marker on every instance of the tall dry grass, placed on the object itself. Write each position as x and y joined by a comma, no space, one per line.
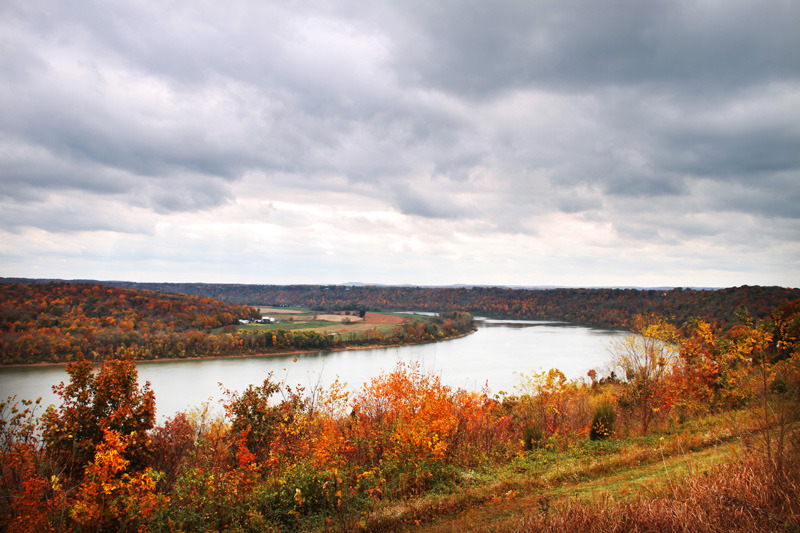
749,496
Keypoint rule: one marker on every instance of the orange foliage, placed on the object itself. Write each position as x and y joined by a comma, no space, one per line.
110,497
32,501
407,413
95,402
281,454
61,321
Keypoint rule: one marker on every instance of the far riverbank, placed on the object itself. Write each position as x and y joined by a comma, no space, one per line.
271,353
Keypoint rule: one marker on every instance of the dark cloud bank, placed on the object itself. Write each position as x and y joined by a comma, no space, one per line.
663,121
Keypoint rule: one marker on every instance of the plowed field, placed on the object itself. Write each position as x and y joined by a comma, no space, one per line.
370,321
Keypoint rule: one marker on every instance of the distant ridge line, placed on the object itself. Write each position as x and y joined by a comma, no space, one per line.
119,283
606,307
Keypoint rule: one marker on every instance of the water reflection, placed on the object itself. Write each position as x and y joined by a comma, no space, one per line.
490,358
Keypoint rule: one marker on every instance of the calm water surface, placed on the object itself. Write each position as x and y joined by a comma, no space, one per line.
492,356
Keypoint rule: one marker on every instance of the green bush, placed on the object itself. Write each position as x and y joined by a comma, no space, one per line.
531,436
603,422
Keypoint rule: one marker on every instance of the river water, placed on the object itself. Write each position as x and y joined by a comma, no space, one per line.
491,357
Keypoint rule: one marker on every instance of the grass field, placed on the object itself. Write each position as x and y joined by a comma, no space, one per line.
288,325
507,501
595,474
329,323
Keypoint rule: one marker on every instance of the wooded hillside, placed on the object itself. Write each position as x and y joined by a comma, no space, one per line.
55,321
59,321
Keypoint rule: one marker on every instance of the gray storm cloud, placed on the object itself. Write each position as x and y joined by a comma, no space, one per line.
497,117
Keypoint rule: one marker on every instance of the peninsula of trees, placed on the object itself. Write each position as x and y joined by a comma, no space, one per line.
56,322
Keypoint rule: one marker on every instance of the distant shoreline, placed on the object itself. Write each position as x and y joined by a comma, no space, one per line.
241,356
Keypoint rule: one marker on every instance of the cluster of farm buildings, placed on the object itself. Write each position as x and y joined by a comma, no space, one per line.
262,320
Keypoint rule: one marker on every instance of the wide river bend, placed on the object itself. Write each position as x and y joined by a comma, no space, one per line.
492,356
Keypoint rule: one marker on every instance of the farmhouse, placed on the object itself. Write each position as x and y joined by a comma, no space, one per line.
262,320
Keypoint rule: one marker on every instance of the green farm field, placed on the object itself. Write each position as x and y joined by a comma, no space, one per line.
293,319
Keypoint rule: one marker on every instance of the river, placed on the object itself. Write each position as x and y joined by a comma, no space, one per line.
491,357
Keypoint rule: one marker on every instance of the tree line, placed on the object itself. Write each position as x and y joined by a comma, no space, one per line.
614,308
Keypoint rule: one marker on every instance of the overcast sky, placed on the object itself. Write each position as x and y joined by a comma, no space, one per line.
571,143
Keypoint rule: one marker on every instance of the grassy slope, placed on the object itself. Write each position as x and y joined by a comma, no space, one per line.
504,510
544,480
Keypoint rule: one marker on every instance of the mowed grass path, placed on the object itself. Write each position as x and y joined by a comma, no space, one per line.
633,469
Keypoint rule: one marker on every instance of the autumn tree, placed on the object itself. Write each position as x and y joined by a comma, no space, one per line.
26,501
405,422
542,404
714,366
773,348
645,359
95,402
259,418
110,497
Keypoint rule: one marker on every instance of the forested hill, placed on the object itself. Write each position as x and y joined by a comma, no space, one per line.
55,320
28,305
596,307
